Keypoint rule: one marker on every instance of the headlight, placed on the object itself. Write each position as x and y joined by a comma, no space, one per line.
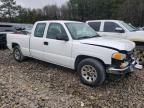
119,56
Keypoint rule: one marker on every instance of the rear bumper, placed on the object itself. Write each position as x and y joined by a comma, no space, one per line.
128,69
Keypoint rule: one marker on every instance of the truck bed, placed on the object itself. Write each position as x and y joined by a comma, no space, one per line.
21,39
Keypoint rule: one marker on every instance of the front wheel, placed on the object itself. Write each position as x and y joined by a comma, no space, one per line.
17,54
91,72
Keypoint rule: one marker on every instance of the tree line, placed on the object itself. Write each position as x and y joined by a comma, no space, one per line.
128,10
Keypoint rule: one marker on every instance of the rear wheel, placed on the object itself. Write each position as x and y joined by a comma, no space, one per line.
91,72
17,54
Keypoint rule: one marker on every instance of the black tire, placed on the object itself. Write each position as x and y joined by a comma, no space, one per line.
17,54
95,78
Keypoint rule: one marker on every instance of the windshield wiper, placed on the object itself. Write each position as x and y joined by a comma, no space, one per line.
86,37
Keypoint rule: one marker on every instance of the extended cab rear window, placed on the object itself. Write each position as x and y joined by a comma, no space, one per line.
95,25
39,31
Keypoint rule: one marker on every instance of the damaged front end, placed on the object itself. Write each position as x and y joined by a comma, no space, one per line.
122,62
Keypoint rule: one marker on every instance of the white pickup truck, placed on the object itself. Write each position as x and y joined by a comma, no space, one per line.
77,46
120,29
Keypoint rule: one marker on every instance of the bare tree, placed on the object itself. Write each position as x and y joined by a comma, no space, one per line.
8,9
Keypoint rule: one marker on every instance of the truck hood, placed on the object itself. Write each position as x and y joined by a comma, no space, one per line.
136,36
112,43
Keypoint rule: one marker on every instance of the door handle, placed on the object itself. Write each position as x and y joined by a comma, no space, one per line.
45,43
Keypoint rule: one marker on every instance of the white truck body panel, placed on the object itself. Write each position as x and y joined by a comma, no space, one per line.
22,40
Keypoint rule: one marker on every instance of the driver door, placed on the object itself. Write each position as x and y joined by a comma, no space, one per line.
57,51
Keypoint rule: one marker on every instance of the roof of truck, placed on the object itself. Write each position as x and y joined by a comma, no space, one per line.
60,21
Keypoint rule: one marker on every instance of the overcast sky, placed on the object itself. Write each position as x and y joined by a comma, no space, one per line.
39,3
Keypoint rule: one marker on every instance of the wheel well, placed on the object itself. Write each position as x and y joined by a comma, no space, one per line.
14,44
82,57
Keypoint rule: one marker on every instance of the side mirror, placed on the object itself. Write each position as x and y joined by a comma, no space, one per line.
119,30
62,37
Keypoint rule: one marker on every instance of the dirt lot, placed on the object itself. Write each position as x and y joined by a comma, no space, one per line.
36,84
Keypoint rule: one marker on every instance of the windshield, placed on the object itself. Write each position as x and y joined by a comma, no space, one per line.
81,31
129,27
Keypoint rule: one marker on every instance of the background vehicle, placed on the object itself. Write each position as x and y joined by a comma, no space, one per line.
120,29
74,45
4,29
24,30
2,40
7,28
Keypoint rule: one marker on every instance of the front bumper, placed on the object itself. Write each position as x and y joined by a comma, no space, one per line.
128,69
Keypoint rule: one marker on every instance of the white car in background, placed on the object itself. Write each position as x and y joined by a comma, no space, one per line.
120,29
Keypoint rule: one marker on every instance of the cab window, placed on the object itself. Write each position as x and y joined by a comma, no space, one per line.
110,26
55,30
39,31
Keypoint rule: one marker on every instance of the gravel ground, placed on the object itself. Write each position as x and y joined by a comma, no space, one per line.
36,84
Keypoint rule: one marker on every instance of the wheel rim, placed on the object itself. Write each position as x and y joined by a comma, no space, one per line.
17,54
89,73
